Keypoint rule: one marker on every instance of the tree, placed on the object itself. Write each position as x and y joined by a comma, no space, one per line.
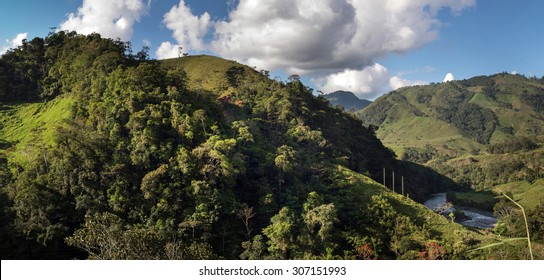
104,236
253,249
319,219
433,251
143,55
246,213
280,234
294,78
365,252
285,159
536,222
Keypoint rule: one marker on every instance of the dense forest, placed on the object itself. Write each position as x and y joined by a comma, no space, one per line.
106,154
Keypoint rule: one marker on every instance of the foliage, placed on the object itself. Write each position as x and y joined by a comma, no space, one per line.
480,200
485,133
513,144
146,164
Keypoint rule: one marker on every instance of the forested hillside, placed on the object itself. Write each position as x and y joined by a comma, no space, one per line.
493,123
106,154
486,133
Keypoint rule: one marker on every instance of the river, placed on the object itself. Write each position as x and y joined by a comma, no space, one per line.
478,218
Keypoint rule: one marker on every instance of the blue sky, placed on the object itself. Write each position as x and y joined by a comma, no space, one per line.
368,47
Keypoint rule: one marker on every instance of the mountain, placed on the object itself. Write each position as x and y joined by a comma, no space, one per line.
347,100
486,132
474,112
107,155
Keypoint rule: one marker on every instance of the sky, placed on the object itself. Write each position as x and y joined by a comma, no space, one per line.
368,47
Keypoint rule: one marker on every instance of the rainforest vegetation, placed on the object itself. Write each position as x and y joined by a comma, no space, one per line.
106,154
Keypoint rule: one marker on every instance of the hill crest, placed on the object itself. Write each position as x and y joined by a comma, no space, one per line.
347,99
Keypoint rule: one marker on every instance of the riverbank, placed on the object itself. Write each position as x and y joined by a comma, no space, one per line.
476,217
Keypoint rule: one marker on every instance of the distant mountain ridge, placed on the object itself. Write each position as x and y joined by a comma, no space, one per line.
347,99
483,131
482,110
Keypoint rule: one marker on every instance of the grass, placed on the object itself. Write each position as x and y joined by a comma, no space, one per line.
25,123
414,118
476,196
211,73
416,132
485,200
364,188
529,195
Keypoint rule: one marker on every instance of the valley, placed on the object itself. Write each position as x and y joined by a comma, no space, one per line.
485,133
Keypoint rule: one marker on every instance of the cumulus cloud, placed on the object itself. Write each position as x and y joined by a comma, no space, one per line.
336,42
297,36
111,18
167,50
449,77
397,82
188,30
307,37
13,43
367,83
364,83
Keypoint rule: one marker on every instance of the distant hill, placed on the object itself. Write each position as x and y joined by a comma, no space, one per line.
483,131
347,100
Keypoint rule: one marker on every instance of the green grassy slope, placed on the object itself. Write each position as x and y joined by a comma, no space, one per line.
365,188
527,194
212,73
421,115
455,236
24,123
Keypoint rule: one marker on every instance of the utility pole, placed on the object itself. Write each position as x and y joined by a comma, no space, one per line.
402,182
384,178
393,181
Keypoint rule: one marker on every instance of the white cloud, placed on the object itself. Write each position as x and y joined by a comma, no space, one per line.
448,78
397,82
367,83
364,83
111,18
167,50
13,43
296,36
331,35
188,30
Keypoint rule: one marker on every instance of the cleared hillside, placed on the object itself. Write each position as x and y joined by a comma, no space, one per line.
214,74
